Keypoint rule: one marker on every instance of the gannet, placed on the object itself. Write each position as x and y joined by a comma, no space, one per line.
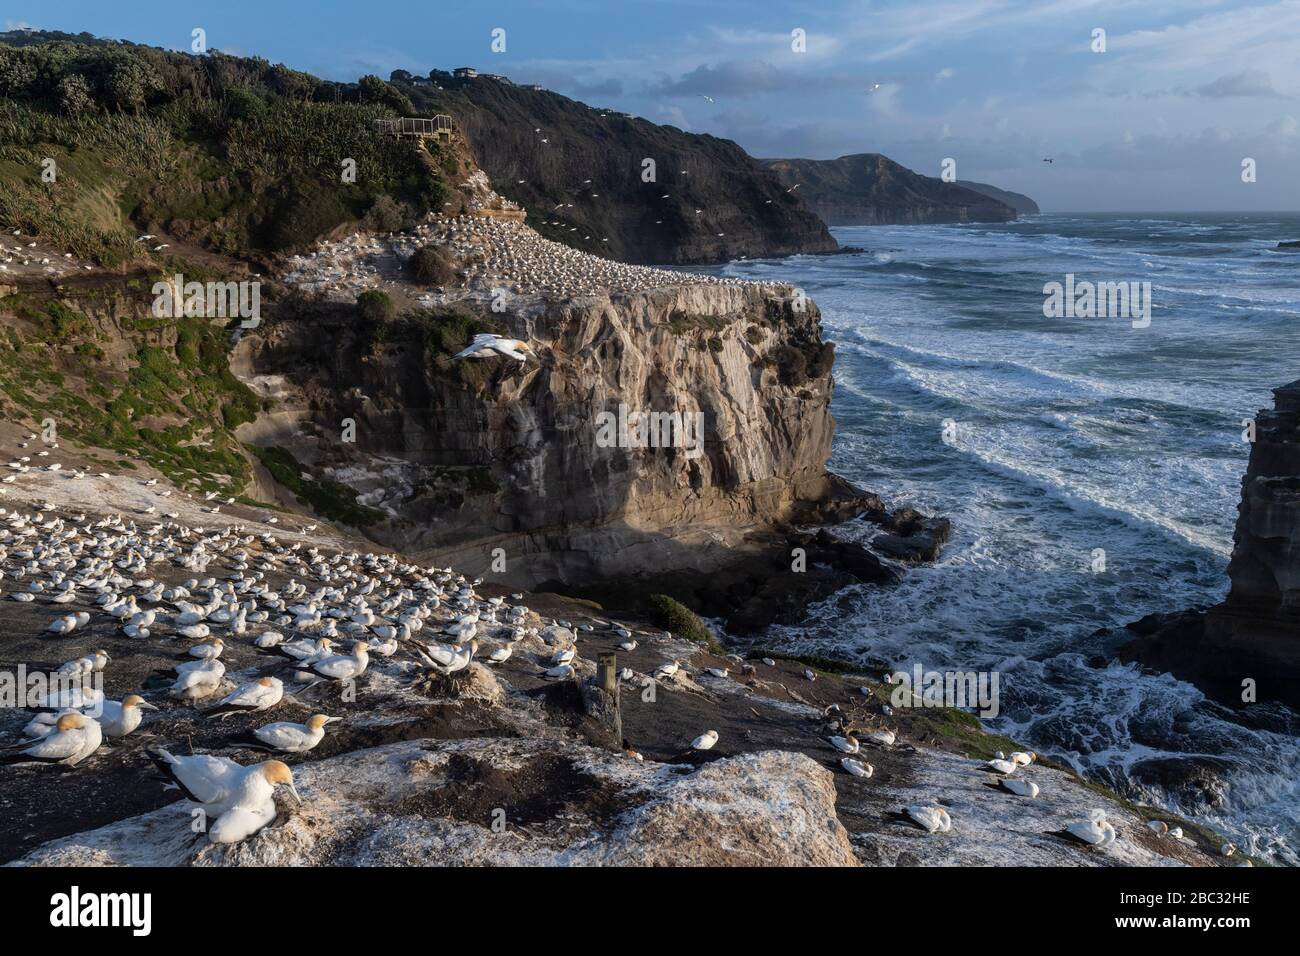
1022,758
705,741
75,738
501,654
198,679
261,694
1004,767
857,767
449,659
341,667
929,819
207,650
119,719
486,342
667,670
884,738
242,799
294,738
1021,788
845,745
561,672
1094,831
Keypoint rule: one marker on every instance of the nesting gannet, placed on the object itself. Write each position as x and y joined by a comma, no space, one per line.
341,667
930,819
119,719
1158,827
450,659
261,694
845,745
857,767
486,343
705,741
75,737
242,799
208,650
1021,788
294,738
198,679
561,672
667,670
1004,767
1022,758
884,738
1094,831
501,654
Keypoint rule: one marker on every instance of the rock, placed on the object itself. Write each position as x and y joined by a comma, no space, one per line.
429,803
867,189
1289,244
1250,642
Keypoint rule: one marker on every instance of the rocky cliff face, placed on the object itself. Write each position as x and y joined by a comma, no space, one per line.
580,172
1022,204
1255,633
465,457
868,189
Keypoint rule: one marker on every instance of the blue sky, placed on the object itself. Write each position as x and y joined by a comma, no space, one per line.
1161,120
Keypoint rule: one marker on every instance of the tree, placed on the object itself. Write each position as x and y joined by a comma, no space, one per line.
130,83
17,72
74,95
375,90
430,266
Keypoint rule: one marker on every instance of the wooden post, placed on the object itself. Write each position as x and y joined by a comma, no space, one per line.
607,673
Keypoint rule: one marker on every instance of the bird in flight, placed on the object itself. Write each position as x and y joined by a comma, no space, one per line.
1049,160
707,97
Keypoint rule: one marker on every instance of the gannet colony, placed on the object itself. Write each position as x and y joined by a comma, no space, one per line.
278,639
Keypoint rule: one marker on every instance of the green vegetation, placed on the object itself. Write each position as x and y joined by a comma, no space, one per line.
375,307
681,621
797,365
228,152
331,499
431,266
172,401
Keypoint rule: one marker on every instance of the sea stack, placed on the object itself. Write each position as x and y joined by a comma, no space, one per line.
1250,642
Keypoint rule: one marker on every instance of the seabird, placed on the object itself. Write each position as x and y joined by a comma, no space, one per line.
857,767
294,738
261,694
75,737
1094,831
485,343
705,741
239,800
928,818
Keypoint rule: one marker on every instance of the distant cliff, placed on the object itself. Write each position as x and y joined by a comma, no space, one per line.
1022,204
580,172
868,189
1255,633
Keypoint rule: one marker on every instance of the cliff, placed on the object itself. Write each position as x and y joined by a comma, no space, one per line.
1255,634
579,171
1022,204
464,458
868,189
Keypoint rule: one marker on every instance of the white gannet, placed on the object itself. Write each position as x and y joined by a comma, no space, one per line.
1021,788
930,819
884,738
261,694
485,343
294,738
198,679
208,650
119,719
74,738
341,667
1022,758
501,654
705,741
857,767
1004,767
241,799
667,670
845,745
1094,831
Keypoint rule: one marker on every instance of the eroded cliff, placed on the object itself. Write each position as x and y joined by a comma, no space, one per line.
1248,647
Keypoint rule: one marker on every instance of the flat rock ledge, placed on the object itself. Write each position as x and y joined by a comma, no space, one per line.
505,802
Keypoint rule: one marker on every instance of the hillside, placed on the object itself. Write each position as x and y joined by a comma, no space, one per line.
225,154
1022,204
579,173
868,189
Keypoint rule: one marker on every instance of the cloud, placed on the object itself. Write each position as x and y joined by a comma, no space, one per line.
1245,83
735,78
945,74
18,25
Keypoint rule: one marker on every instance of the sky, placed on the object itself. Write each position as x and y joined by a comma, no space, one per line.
1161,119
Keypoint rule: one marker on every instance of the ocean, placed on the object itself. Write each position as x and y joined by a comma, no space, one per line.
1092,471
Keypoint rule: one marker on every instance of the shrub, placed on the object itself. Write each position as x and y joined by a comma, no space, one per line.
431,266
375,307
681,621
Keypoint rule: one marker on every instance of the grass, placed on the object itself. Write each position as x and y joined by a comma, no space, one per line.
330,499
681,621
171,401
